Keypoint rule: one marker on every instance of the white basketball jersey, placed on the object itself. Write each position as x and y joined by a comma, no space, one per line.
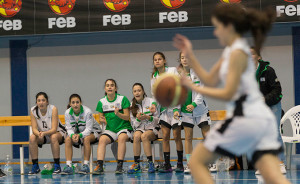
248,99
44,123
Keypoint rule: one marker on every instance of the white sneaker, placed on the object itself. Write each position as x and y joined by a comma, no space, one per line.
257,172
187,170
212,167
282,169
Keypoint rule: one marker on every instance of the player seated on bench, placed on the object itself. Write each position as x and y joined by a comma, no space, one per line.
145,125
114,113
46,129
82,129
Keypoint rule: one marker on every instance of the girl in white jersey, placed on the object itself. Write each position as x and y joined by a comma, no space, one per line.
82,129
168,117
46,129
250,126
194,111
145,125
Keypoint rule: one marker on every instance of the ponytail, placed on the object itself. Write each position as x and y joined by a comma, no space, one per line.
246,19
260,24
36,109
134,108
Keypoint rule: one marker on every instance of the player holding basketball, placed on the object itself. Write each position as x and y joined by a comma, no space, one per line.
46,129
194,111
114,113
250,125
82,129
145,125
169,116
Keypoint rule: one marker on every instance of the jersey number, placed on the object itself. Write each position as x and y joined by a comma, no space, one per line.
44,124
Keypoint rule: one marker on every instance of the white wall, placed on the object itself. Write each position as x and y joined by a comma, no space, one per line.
61,71
5,100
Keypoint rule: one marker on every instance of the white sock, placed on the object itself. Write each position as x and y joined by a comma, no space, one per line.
69,163
86,162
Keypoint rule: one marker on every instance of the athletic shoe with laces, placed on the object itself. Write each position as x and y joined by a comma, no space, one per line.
179,167
68,170
167,168
119,169
2,174
98,170
135,168
282,169
151,167
212,167
84,169
187,170
57,169
34,170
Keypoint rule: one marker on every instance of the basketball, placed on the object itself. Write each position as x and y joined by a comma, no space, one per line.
168,90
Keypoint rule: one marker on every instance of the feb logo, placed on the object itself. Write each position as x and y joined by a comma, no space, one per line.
231,1
61,7
116,5
172,4
9,8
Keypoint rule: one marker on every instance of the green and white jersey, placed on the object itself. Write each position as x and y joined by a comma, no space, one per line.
195,99
83,123
107,107
144,107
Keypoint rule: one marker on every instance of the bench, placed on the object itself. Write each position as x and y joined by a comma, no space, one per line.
25,121
11,121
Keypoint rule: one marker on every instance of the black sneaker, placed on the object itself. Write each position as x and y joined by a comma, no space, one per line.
98,170
167,168
179,168
2,174
119,169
